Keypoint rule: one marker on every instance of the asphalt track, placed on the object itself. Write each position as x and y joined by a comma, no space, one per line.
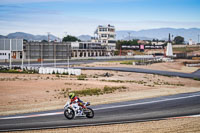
165,107
194,75
148,71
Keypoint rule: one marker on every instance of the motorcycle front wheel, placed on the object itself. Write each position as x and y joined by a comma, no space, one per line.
89,113
69,113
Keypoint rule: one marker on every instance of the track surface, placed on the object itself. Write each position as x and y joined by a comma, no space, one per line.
131,111
149,71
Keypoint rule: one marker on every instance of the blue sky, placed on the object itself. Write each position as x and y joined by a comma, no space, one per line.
78,17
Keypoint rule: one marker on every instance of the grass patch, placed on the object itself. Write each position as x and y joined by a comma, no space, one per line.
167,83
81,77
88,91
186,49
143,82
198,79
92,91
128,62
127,81
17,71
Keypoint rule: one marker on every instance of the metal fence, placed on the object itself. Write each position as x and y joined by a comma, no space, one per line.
36,50
15,44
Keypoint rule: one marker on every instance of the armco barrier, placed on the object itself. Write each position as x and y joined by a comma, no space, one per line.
48,70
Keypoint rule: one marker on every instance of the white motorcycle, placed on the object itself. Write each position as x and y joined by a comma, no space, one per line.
73,110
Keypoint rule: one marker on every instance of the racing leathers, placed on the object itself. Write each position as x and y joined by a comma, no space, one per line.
76,99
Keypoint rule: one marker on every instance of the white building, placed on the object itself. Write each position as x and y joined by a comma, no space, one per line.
169,52
191,42
106,36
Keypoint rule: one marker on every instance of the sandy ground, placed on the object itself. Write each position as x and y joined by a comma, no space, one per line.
186,125
22,93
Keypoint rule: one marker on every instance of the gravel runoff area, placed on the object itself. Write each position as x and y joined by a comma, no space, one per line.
22,93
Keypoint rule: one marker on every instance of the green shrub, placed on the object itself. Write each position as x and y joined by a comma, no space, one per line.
97,91
198,79
88,91
82,77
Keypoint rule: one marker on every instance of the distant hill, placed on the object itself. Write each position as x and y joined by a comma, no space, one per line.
150,34
29,37
2,36
161,33
84,37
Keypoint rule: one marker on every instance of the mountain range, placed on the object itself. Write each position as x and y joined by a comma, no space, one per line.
29,37
161,34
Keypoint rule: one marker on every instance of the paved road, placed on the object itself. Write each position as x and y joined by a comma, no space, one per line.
149,71
131,111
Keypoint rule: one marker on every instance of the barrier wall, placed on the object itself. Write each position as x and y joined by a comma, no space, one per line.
49,70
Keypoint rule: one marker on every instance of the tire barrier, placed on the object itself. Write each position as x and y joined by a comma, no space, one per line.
49,70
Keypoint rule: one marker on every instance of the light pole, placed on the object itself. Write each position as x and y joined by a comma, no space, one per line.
41,60
68,61
54,51
129,33
10,53
29,54
22,55
48,35
67,55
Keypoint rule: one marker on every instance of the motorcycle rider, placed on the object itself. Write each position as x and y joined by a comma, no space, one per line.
76,99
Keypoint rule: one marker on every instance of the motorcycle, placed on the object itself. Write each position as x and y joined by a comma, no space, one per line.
73,110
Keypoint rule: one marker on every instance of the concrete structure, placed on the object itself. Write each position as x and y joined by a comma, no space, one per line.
11,46
41,51
88,49
169,51
191,42
106,36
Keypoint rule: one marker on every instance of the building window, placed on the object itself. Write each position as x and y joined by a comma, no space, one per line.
112,36
111,30
111,41
103,29
103,35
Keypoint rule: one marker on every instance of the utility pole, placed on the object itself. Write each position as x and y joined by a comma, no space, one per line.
48,34
198,38
68,62
65,35
10,53
54,53
41,60
22,55
29,54
68,54
129,33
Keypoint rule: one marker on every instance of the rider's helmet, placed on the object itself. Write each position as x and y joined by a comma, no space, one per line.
71,95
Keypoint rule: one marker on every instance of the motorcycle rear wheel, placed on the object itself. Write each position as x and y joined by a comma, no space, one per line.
69,113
